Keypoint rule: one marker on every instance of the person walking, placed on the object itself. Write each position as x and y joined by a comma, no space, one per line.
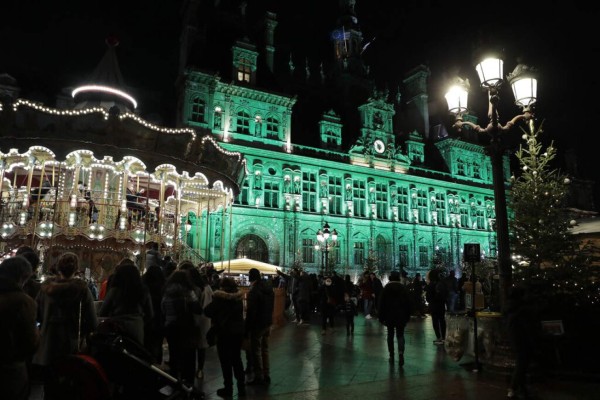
226,311
394,313
304,289
451,291
366,294
260,302
417,288
350,311
328,304
19,336
377,289
435,294
66,314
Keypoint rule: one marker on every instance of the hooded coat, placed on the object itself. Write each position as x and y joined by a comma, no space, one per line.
66,313
18,338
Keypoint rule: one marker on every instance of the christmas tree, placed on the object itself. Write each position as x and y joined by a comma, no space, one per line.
549,258
371,261
540,225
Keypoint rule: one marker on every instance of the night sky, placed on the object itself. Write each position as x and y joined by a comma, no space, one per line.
47,46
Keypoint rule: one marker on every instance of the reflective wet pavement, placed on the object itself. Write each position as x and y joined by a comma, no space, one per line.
306,365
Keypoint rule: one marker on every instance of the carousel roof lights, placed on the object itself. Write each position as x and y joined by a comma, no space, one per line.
48,110
105,89
149,125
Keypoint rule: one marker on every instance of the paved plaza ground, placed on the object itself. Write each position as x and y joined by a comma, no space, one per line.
306,365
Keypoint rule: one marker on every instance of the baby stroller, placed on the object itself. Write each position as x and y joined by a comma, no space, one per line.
116,367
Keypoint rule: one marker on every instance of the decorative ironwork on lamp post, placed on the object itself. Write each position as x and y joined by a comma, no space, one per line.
326,239
524,87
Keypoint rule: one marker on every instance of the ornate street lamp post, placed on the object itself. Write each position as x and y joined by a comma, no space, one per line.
524,86
326,239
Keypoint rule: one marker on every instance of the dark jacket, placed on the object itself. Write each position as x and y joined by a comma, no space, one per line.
394,304
131,318
260,302
178,307
435,294
226,312
19,336
60,304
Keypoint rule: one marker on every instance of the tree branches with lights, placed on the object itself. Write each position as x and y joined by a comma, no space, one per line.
548,256
540,225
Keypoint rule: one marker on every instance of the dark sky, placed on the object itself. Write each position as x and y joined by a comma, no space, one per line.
51,45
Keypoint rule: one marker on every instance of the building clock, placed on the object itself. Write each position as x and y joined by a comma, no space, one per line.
379,146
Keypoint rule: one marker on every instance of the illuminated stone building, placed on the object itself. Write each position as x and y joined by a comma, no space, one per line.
323,144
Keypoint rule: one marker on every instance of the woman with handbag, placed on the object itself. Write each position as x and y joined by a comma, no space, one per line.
66,315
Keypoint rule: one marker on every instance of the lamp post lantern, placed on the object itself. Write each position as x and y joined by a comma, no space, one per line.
326,239
524,86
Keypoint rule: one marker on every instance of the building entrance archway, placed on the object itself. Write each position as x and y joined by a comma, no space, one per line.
253,247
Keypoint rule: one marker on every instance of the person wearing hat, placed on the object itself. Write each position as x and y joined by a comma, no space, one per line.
226,311
394,313
260,302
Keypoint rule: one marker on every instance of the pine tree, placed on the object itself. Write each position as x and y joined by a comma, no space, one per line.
552,264
540,225
371,261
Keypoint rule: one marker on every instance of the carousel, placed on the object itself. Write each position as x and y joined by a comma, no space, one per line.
106,184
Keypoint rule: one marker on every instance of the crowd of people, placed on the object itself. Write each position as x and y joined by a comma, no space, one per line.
163,306
173,306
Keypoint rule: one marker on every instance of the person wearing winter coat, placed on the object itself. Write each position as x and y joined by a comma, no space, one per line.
179,305
66,315
394,313
260,302
435,294
226,312
19,337
128,302
202,322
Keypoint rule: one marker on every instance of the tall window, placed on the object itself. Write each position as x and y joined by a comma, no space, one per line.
244,70
403,255
309,191
198,110
464,216
480,217
272,128
460,167
476,170
422,206
271,194
359,253
440,208
381,200
243,122
360,198
335,195
308,250
403,206
242,198
423,257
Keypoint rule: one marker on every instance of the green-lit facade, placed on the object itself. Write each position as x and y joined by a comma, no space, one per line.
376,188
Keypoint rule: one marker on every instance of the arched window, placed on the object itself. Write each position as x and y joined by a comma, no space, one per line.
243,122
198,110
